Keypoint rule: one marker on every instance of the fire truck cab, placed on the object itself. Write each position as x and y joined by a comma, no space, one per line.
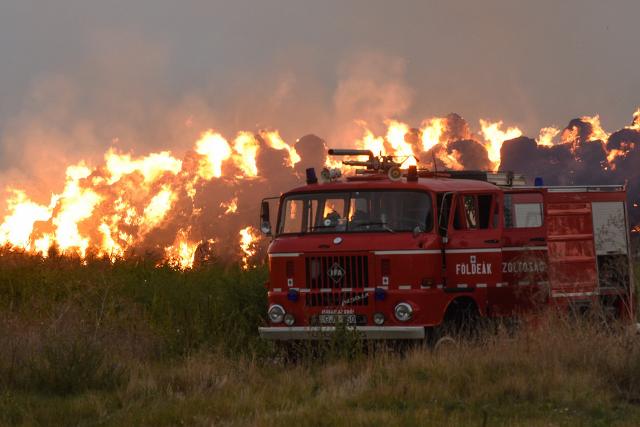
394,254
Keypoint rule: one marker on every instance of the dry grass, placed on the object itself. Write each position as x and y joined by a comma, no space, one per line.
132,345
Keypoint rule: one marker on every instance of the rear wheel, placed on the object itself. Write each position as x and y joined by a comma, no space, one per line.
462,322
445,343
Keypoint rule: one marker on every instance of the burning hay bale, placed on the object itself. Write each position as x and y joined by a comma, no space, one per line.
203,206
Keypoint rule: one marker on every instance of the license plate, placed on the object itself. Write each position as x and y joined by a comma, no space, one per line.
332,319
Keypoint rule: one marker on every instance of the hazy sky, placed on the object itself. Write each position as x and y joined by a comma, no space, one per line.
77,74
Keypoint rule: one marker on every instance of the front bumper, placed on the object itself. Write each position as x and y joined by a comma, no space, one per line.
324,332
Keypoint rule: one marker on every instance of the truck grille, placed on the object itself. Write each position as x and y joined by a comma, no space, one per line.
341,299
344,271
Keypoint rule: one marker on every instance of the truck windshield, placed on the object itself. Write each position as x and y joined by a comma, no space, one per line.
357,211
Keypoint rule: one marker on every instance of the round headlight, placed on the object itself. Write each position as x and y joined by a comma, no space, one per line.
289,320
403,312
276,313
378,318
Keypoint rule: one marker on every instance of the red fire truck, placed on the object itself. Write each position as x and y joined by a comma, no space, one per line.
395,254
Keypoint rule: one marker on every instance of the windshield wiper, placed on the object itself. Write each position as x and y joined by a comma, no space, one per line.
316,227
366,224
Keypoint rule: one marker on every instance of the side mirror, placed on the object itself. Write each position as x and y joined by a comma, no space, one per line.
265,222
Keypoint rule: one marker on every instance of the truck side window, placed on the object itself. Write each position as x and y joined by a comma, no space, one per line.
484,210
293,210
522,210
473,212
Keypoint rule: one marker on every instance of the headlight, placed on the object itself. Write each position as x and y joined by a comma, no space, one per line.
378,318
403,312
289,320
276,313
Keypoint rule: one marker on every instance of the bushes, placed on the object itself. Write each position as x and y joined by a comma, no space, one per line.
210,306
62,366
206,308
66,327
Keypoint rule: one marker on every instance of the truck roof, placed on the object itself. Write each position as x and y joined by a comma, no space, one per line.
382,183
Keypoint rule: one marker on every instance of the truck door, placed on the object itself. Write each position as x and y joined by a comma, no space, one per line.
524,255
473,247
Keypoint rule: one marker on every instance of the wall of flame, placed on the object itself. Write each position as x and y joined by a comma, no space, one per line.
203,206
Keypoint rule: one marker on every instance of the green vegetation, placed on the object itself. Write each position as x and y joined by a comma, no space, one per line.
131,344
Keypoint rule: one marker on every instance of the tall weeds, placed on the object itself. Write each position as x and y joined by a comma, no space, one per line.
129,343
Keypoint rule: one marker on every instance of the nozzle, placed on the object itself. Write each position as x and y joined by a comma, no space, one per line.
349,152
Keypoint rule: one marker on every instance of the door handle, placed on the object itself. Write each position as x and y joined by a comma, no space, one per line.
537,239
492,241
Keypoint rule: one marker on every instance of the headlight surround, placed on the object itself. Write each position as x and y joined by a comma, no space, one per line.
378,318
289,320
403,312
276,313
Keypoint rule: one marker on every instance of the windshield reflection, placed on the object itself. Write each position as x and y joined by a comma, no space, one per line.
359,211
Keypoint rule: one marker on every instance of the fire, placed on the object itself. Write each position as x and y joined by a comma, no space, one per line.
546,136
572,135
396,137
274,140
431,131
231,206
43,244
246,149
494,137
397,142
613,154
181,254
110,247
215,150
597,133
157,203
452,160
76,204
371,142
248,238
151,166
158,208
16,228
128,201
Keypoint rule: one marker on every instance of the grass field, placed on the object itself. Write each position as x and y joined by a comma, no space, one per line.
131,344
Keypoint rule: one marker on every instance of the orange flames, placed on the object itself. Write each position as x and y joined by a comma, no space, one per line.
399,139
547,135
494,136
123,205
181,253
111,209
406,143
231,206
274,140
248,239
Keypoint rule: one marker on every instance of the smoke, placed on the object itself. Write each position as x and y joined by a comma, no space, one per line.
59,149
118,102
371,89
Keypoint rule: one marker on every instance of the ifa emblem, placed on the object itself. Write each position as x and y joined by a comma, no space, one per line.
336,272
